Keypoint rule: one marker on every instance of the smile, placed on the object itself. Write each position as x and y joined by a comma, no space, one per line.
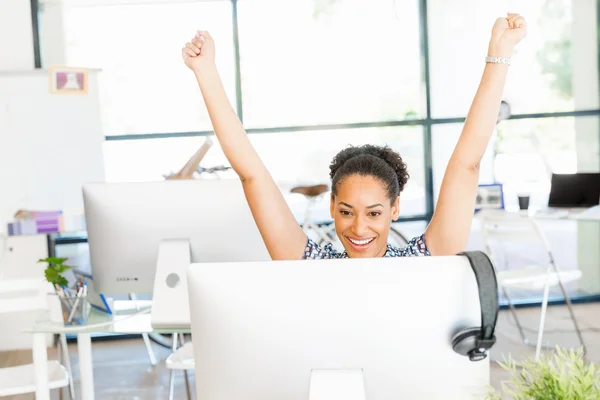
361,242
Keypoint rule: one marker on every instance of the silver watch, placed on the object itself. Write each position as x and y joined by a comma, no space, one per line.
498,60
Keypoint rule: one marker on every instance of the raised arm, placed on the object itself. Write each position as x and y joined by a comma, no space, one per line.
283,237
450,227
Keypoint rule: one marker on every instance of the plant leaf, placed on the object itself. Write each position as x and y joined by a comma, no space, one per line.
53,260
564,375
55,278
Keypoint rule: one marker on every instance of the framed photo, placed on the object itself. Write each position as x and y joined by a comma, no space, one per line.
67,80
489,197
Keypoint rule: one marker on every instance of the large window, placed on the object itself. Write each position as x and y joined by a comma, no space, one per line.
528,151
312,62
315,75
524,153
554,69
145,87
302,163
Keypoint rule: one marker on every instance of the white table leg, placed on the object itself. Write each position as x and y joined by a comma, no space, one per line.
84,347
40,361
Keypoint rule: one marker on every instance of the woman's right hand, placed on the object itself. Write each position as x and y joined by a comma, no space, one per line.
199,53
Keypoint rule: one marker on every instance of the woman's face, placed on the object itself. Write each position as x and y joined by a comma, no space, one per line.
362,214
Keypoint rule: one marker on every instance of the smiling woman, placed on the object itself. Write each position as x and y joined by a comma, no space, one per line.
366,185
366,180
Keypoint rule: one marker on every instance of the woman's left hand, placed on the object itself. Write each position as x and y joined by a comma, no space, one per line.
506,33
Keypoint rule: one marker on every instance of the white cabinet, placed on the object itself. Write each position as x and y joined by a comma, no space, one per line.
19,256
18,260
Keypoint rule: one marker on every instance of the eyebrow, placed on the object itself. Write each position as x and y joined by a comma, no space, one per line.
349,206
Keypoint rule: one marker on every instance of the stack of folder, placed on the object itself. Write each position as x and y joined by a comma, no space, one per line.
33,222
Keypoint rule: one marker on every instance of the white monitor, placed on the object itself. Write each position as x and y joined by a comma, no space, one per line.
126,222
383,327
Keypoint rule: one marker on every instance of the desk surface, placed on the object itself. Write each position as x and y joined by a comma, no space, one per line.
130,322
579,214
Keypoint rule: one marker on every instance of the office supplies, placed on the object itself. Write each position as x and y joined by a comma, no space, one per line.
96,300
74,303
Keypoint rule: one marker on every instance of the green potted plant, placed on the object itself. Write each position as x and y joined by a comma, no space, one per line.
54,271
563,375
74,303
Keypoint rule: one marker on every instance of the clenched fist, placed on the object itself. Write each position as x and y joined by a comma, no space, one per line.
506,33
199,53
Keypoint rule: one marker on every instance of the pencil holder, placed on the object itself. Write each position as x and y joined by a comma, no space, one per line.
75,310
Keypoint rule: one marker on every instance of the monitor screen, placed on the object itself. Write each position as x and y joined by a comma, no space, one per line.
575,190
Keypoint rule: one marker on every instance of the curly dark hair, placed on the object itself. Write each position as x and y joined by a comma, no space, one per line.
380,162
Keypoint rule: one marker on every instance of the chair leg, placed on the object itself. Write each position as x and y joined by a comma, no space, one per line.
570,308
64,351
538,346
185,372
569,305
172,375
513,311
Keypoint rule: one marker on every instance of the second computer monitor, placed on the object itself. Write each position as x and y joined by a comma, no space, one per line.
575,190
127,221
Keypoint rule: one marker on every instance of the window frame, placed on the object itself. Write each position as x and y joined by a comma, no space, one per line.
426,123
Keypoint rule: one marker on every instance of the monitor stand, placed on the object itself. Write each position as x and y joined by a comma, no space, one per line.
327,384
170,303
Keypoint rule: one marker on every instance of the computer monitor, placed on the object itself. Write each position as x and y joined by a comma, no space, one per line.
261,330
126,222
574,190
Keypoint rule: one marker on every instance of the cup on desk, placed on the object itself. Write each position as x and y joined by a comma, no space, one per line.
523,201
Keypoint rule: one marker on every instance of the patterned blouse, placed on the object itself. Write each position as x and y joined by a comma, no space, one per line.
415,247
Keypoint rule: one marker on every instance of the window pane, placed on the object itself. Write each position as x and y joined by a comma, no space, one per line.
525,152
311,62
555,68
145,87
313,151
306,164
530,150
149,160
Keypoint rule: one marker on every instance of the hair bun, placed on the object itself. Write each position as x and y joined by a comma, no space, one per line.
363,160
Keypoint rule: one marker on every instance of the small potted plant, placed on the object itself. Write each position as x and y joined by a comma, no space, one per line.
74,301
564,375
54,271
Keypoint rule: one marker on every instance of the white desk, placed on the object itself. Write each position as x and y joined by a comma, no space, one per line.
121,323
553,214
562,225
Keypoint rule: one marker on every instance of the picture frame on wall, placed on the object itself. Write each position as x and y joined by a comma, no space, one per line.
489,197
68,80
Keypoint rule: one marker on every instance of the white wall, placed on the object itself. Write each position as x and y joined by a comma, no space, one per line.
50,144
16,35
